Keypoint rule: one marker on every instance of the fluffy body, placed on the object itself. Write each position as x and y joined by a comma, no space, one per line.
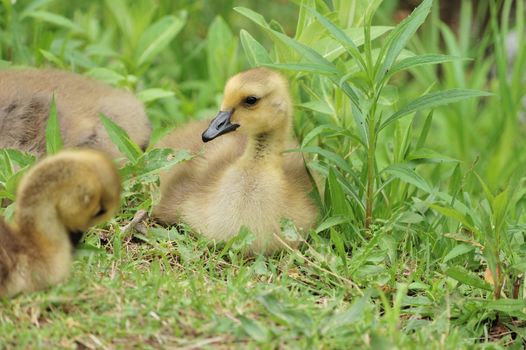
25,100
57,200
241,178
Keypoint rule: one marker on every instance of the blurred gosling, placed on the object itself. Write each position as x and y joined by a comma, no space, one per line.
57,200
25,100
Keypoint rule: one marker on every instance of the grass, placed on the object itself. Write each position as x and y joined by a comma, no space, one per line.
415,129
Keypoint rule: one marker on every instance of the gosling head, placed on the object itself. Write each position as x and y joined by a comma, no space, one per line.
74,190
256,101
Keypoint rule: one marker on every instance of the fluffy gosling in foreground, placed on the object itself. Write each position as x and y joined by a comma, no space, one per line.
243,178
58,199
25,100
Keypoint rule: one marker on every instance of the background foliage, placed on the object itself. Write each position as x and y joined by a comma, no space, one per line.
421,241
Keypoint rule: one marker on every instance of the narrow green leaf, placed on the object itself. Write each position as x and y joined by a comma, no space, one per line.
106,75
430,155
456,215
349,91
467,277
253,16
33,6
360,257
332,221
121,14
326,128
158,36
432,100
221,52
254,329
425,131
519,267
407,174
319,106
52,58
121,139
150,95
500,207
53,137
415,61
85,249
506,305
399,37
12,183
455,181
331,49
23,159
348,317
306,52
150,163
341,37
339,206
331,156
311,55
55,19
302,67
457,251
487,192
255,52
337,241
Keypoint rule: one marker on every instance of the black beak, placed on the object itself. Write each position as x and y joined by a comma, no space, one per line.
220,125
75,237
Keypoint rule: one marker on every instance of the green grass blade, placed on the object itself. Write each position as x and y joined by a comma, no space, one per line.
53,137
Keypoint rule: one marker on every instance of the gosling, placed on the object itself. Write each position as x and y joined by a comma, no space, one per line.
57,200
25,100
242,178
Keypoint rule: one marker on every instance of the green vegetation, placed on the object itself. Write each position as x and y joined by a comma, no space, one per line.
422,238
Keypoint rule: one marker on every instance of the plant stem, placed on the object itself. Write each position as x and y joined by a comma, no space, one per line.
371,149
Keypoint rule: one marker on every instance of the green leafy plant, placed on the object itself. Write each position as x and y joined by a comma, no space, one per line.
363,77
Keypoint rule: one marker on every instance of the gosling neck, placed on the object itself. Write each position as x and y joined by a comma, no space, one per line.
264,147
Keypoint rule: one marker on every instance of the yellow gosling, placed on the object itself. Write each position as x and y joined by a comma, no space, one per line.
243,178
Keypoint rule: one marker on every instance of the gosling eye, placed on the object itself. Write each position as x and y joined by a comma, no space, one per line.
250,101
